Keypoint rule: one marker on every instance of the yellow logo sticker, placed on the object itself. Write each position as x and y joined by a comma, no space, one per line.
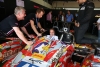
1,47
38,56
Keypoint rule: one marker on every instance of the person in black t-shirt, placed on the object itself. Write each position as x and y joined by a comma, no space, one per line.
10,24
59,16
31,23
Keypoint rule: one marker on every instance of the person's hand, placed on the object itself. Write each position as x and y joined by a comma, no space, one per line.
77,24
31,36
29,42
42,30
98,25
39,34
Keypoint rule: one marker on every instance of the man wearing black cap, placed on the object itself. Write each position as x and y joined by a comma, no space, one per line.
82,23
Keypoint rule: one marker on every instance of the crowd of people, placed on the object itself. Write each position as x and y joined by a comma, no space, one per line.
21,24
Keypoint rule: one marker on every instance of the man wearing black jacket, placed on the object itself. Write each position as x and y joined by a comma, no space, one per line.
82,23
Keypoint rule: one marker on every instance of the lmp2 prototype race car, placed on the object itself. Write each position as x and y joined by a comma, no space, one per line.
43,53
48,53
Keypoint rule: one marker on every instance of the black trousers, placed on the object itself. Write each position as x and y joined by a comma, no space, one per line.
79,35
49,24
69,25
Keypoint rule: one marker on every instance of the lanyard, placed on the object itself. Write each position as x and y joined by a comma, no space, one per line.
36,22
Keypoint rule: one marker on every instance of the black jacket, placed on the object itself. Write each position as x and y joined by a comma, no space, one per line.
85,12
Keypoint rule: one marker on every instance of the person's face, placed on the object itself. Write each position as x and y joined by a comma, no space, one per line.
68,12
52,33
80,1
22,15
60,12
39,15
50,11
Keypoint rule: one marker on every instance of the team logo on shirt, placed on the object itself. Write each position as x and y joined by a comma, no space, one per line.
83,8
27,24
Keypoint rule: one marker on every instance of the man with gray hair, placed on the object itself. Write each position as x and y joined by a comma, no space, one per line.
10,24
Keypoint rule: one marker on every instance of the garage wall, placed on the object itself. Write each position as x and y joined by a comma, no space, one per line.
9,7
43,3
2,11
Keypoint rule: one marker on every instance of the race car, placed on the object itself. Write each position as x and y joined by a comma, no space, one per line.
43,53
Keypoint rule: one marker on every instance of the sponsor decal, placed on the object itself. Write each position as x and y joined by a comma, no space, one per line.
34,61
7,53
38,56
58,54
83,8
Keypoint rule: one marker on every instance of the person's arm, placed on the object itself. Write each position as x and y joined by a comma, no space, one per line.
98,23
88,13
39,25
72,18
41,29
33,27
13,23
21,36
76,23
22,25
25,31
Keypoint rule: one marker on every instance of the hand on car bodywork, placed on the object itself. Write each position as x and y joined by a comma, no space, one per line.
31,36
42,30
29,42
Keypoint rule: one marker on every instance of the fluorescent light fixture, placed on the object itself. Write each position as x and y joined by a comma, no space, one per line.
1,0
78,8
74,8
